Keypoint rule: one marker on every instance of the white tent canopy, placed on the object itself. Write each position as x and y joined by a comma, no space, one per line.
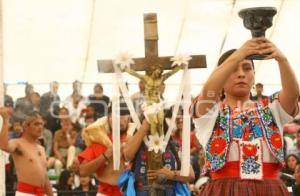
46,40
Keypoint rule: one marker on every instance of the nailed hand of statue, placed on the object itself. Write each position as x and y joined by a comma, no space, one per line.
181,60
124,60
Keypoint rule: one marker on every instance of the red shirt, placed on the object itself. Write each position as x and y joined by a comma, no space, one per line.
95,150
91,153
193,139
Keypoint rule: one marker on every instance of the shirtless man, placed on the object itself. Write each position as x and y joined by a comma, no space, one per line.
28,155
97,158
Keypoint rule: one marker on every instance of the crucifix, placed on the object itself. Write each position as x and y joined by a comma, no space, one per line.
154,66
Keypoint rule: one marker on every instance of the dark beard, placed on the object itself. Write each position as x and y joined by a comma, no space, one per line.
122,131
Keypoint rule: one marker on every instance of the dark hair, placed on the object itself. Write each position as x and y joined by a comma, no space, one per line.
63,179
259,85
32,114
28,87
98,85
227,54
76,81
123,108
292,155
64,108
36,93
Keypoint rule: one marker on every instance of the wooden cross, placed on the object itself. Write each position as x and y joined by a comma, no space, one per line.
151,52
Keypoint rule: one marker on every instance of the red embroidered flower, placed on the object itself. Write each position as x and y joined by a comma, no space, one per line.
276,140
249,150
217,146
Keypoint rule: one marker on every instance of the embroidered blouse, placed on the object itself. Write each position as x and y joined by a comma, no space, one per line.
250,139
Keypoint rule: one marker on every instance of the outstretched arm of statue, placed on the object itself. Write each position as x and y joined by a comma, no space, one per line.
135,141
173,71
134,73
8,146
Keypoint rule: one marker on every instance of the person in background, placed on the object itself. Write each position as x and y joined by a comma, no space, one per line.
98,101
8,100
47,140
296,149
24,105
86,187
259,97
65,184
296,186
138,99
177,135
50,106
76,102
16,128
35,100
64,146
289,168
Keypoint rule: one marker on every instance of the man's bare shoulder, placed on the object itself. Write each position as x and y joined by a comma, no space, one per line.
14,146
15,140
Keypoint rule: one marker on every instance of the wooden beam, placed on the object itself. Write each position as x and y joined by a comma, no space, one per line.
106,66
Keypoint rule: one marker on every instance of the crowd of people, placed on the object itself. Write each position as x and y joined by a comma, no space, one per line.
240,144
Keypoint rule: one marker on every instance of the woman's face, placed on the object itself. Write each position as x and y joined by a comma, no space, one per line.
292,162
70,180
179,122
85,181
241,80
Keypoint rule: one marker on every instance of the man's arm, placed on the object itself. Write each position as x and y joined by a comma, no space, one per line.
87,168
8,146
135,141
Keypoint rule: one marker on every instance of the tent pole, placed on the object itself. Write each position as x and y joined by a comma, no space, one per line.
2,155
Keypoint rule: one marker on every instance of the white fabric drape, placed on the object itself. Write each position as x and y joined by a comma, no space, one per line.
116,125
184,90
186,130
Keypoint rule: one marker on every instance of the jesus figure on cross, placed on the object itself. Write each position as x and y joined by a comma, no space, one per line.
153,79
